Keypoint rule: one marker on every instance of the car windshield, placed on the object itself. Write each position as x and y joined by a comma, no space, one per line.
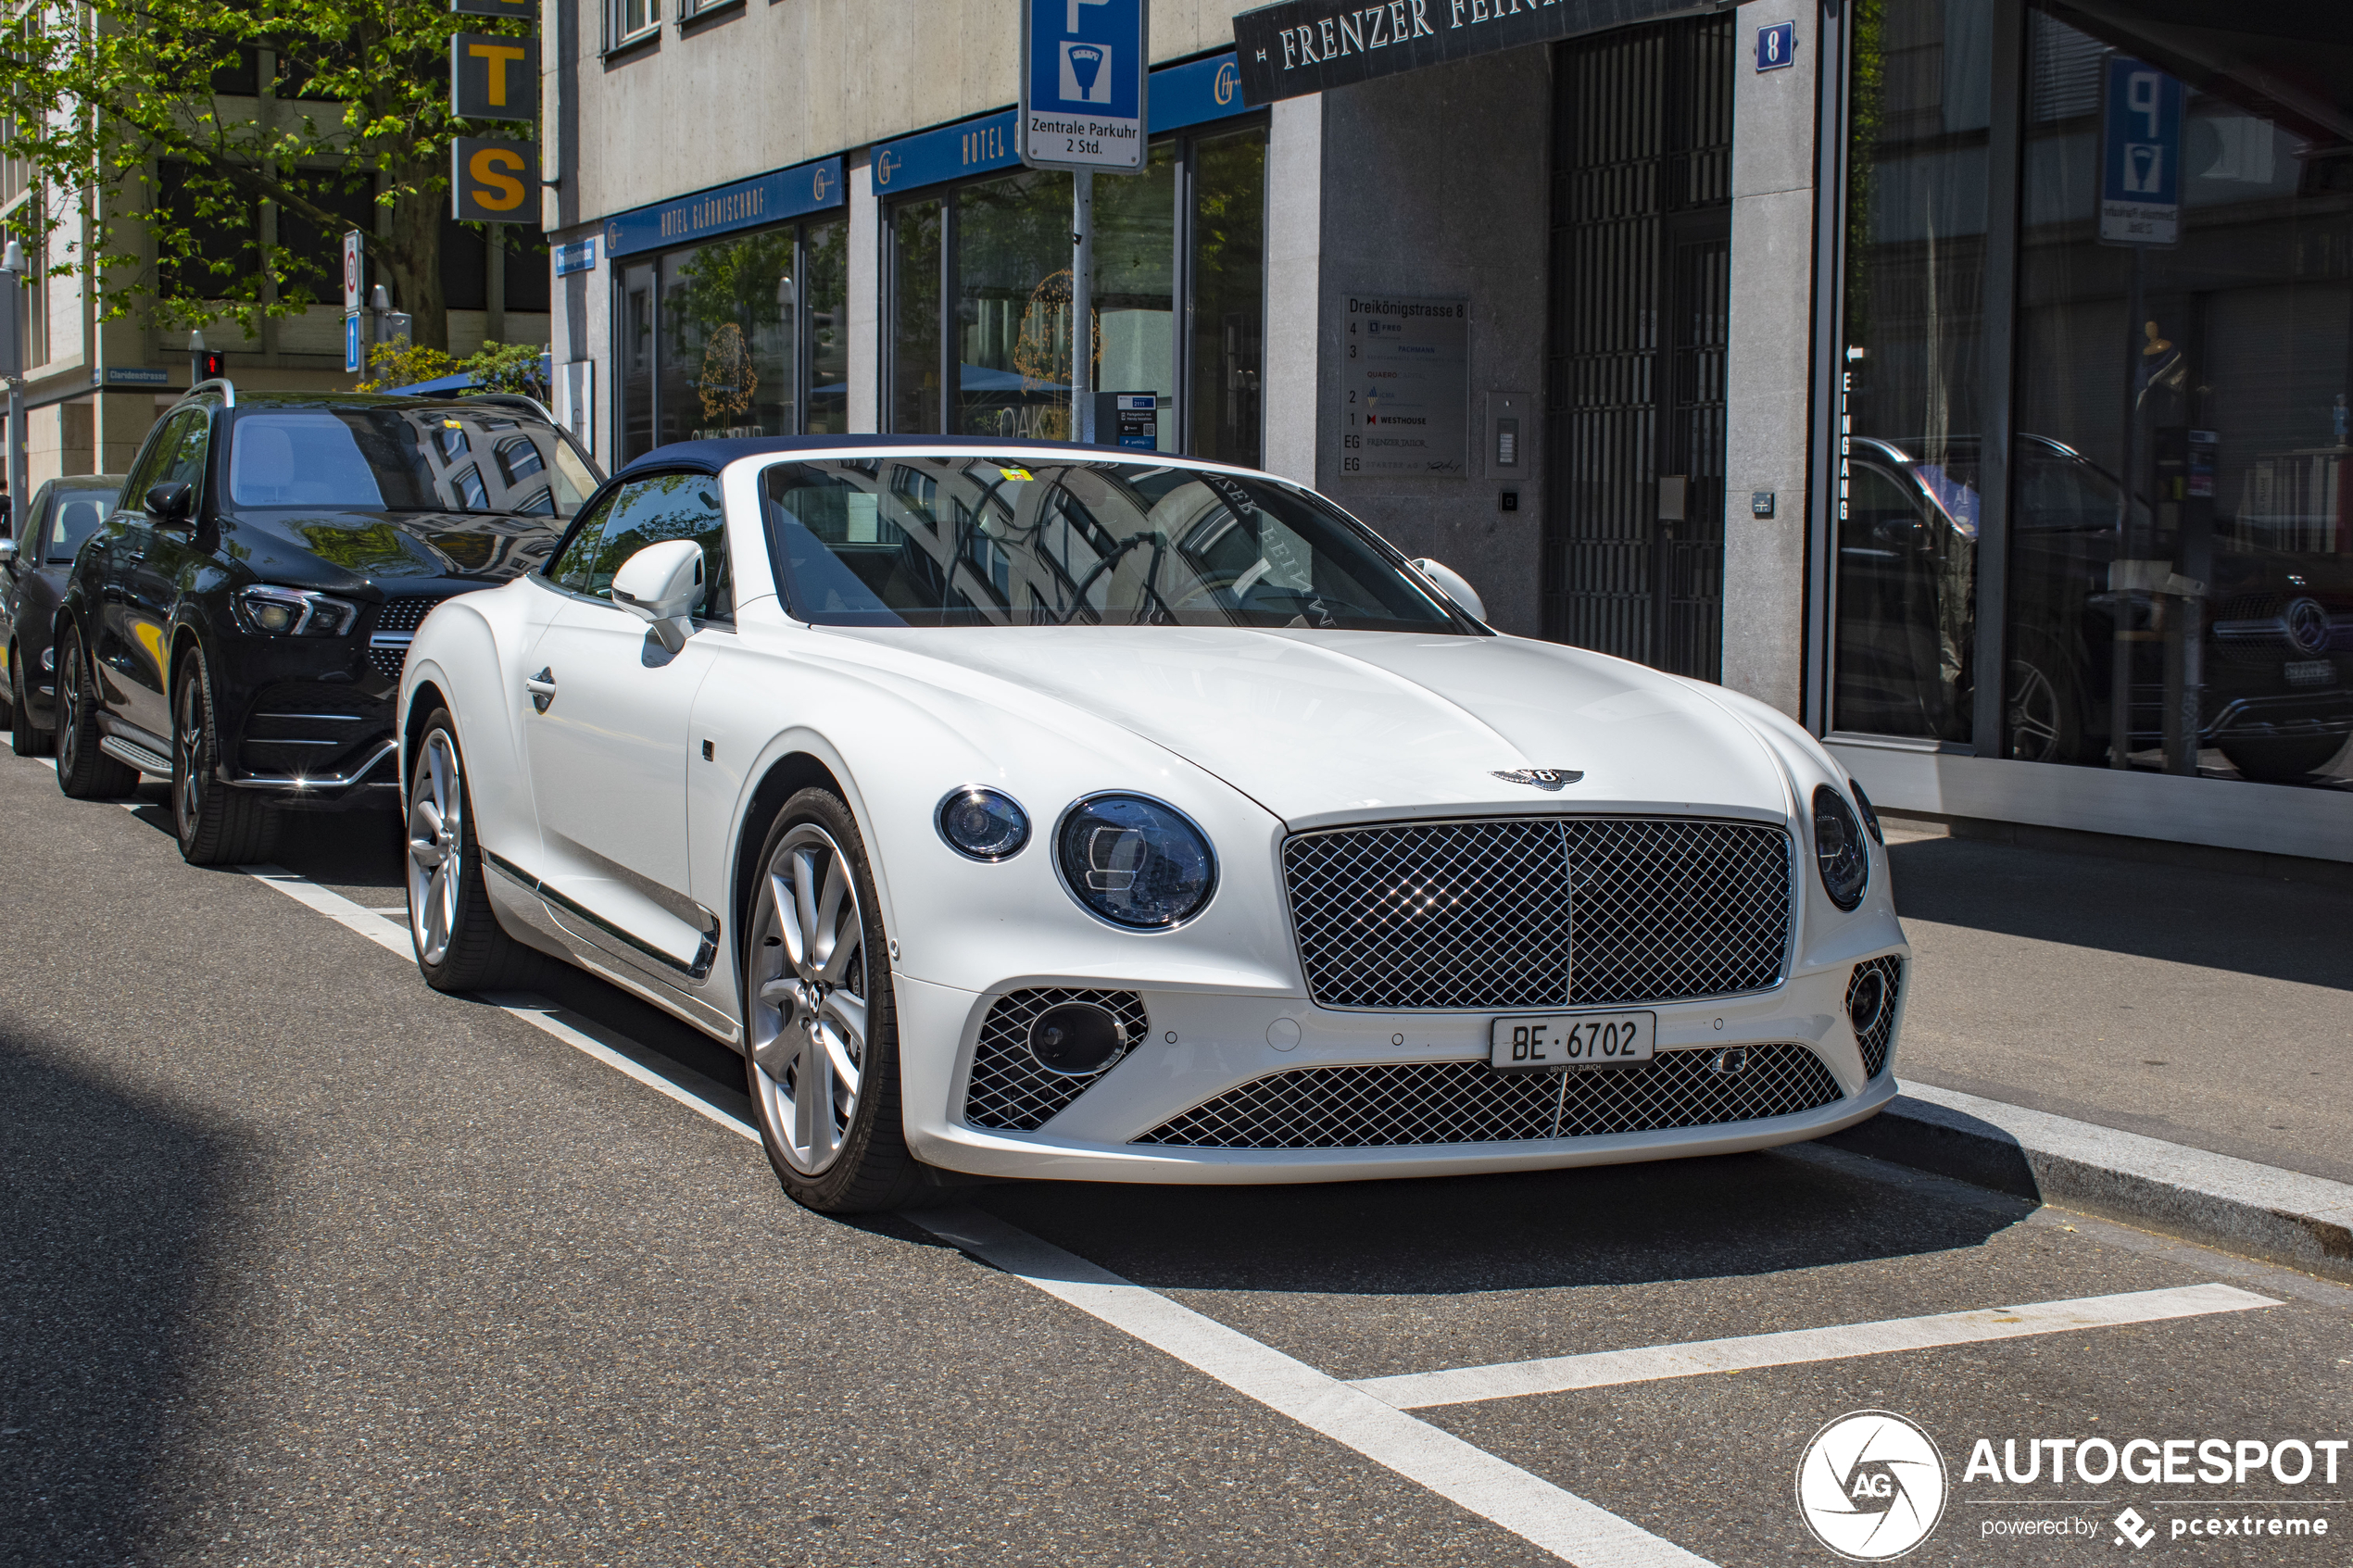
76,515
1001,541
448,457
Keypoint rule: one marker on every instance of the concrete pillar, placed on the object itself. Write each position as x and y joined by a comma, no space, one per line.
1765,442
1290,393
863,264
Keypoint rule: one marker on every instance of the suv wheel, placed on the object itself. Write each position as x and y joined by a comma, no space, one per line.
216,825
24,739
83,772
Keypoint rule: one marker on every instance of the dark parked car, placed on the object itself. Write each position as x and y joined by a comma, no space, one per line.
63,512
2275,688
239,623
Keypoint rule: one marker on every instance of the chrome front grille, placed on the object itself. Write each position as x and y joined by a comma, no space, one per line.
1009,1090
1874,1040
1538,912
1394,1104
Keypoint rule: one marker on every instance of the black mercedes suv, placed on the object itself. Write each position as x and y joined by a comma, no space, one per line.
239,623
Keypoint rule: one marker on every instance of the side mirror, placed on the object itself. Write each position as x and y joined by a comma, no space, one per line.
1452,584
171,502
663,584
9,554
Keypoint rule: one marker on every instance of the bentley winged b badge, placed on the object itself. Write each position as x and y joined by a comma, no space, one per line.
1542,778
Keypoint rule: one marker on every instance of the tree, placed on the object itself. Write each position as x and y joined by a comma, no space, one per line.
174,121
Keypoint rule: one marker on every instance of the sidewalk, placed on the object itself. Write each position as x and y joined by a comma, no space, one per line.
2201,1007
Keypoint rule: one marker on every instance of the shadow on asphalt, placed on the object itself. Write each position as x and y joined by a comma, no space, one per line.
1613,1224
2215,919
105,1281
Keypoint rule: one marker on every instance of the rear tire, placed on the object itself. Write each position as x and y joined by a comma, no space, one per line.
24,739
459,943
217,825
83,772
2282,762
821,1032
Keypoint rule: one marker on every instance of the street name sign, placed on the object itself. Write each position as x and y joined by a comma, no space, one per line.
1082,85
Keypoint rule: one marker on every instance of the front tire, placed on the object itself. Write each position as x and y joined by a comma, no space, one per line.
83,772
216,824
821,1029
460,945
2282,760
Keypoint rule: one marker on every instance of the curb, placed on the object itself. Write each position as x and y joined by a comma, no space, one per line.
2236,1205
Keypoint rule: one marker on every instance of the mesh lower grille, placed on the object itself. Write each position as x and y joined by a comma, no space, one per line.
1874,1040
404,614
1009,1090
1540,912
388,662
1388,1105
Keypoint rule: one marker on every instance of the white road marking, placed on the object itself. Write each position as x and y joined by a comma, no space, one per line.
1605,1368
1560,1522
335,907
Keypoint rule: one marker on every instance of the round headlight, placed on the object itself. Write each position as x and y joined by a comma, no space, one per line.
1839,853
1134,862
983,824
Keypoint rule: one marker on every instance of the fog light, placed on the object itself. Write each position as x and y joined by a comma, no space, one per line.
1866,1002
1077,1039
1733,1060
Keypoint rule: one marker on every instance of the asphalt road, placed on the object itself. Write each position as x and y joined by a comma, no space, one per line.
306,1264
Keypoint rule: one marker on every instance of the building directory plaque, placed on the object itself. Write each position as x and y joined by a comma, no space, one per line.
1404,377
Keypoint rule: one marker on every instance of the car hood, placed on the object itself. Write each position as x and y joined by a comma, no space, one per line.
1324,726
342,549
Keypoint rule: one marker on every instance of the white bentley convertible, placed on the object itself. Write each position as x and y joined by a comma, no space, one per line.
1023,810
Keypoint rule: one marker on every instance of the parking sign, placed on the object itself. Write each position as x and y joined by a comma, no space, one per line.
1082,85
2140,154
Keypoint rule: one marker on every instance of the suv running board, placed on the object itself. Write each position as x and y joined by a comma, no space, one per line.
134,755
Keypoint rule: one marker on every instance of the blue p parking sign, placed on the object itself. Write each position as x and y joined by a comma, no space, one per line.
1082,85
2140,154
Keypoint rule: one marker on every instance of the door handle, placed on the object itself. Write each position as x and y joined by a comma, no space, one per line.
542,688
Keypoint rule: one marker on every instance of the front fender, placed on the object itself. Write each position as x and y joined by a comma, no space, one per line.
468,651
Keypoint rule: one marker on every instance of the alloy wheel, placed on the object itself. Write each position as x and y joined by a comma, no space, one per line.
188,747
809,984
69,706
2034,713
436,822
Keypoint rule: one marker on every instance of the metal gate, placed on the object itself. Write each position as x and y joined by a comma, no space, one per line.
1634,402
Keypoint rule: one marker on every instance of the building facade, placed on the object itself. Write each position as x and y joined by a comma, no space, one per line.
1838,351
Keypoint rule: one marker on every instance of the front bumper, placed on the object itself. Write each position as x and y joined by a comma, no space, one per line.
1201,1046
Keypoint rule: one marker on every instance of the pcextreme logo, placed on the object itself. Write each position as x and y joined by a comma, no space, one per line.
1871,1485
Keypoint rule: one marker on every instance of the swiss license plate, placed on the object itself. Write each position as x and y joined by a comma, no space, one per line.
1571,1039
2312,672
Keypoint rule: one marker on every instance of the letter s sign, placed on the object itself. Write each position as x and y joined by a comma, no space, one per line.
487,181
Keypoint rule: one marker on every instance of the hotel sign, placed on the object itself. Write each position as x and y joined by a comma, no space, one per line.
1302,46
748,204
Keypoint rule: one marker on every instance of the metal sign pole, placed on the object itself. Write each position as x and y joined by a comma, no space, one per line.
1082,305
12,269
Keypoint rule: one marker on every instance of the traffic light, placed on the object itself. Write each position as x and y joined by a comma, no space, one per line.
206,364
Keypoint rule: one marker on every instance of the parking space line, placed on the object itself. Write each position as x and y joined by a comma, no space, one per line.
335,907
1558,1521
1603,1369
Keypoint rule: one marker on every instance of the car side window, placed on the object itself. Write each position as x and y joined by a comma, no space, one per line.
577,560
178,453
647,511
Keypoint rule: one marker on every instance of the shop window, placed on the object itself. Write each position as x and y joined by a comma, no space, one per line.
997,251
2181,581
710,339
1906,536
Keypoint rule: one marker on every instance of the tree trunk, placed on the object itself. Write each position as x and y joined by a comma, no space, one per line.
412,254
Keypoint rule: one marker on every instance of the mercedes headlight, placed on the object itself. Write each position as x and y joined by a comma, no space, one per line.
1135,861
1839,851
292,612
